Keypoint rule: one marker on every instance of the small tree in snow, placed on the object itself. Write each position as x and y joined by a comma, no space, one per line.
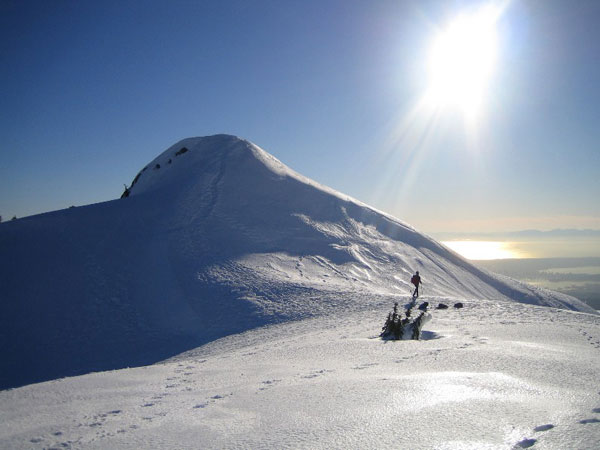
393,327
397,328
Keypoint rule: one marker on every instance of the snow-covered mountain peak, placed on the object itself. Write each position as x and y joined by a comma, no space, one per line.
234,192
215,237
201,154
200,162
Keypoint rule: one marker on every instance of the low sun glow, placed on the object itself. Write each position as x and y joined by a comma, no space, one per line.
480,250
462,59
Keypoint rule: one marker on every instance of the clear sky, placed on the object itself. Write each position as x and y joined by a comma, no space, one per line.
92,91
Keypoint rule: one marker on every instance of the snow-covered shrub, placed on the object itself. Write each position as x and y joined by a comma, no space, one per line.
417,325
398,328
135,180
137,177
393,327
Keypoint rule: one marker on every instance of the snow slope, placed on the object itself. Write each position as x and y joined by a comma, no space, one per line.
212,240
494,375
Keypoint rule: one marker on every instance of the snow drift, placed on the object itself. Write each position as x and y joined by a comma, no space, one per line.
215,236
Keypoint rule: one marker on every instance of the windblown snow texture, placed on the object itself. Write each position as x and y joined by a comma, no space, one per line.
216,237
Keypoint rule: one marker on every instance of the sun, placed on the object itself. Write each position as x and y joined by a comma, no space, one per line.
462,59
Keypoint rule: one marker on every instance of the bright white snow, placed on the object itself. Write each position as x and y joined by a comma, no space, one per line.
486,376
222,239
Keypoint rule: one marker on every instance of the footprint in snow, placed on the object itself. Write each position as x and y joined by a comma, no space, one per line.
218,397
313,375
525,443
543,428
317,373
211,400
98,419
268,384
403,359
596,410
586,421
365,366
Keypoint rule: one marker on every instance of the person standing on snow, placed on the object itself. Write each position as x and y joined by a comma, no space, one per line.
416,280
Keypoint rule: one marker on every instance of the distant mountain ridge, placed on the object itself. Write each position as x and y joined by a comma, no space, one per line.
210,241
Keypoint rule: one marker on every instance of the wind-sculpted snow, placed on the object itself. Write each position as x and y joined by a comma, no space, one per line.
215,237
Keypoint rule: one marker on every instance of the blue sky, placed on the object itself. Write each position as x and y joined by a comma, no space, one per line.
92,91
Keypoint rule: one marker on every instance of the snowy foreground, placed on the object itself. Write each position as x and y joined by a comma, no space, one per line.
492,375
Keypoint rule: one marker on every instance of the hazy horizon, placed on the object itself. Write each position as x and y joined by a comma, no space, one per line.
566,261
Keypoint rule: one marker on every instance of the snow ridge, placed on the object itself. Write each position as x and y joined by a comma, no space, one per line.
215,237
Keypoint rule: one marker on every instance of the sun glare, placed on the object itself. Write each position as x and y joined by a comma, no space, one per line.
453,78
480,250
462,60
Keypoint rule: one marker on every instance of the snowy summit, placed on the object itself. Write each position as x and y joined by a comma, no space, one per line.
269,280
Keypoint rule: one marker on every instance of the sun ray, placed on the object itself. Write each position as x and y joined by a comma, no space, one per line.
459,69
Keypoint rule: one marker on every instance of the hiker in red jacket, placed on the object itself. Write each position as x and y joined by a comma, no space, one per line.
416,280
